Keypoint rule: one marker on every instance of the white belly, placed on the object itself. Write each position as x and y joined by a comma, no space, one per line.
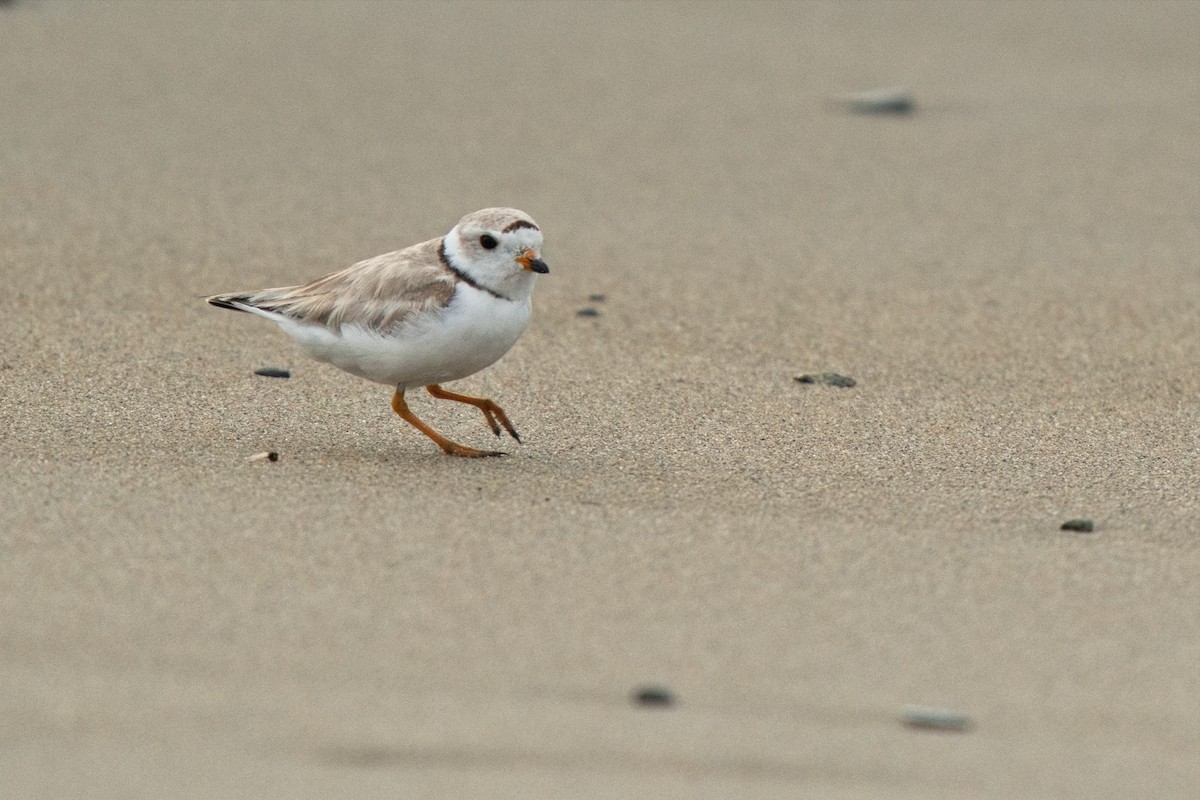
470,333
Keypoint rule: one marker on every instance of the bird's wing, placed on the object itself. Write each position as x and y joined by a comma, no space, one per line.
376,294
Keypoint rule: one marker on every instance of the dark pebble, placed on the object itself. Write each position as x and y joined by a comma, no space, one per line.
597,298
827,378
936,719
653,697
273,372
1079,525
879,101
588,312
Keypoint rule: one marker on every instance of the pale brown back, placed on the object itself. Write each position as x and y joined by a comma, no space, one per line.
376,293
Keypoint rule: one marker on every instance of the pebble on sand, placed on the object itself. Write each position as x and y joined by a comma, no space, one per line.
273,372
597,298
1078,525
266,455
588,312
897,100
653,697
936,719
828,379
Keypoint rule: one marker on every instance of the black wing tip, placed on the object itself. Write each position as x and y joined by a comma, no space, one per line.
225,301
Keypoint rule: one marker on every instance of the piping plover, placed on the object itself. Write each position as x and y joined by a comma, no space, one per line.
431,313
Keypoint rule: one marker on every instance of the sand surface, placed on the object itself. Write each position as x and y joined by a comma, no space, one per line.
1011,274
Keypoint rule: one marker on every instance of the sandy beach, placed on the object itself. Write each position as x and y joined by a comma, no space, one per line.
1010,274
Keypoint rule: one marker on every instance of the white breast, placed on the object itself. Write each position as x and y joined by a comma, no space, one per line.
470,333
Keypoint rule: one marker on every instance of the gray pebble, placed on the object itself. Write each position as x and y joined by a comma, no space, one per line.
897,100
653,697
597,298
1078,525
588,312
828,379
273,372
937,719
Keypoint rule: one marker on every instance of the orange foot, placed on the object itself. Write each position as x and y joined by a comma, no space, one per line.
449,447
491,411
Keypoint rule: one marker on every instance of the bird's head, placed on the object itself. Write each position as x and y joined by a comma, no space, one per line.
498,248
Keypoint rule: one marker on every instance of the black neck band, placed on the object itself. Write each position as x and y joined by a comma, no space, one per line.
464,277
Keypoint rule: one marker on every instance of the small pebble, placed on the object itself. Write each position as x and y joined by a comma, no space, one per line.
878,101
273,372
266,455
937,719
653,697
597,298
827,378
1080,525
588,312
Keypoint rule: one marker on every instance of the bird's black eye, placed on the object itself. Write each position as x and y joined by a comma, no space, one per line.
488,241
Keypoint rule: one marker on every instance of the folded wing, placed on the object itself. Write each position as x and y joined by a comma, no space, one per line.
377,294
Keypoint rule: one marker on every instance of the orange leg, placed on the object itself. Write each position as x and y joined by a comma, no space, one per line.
491,411
448,447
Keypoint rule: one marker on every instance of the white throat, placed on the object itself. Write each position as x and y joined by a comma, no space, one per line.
500,275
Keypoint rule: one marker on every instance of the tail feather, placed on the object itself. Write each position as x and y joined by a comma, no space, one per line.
257,303
237,302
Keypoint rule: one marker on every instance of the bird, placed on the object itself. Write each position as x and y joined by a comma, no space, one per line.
429,314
